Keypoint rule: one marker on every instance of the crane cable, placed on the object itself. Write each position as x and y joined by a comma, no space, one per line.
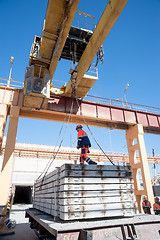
94,137
73,85
53,150
50,163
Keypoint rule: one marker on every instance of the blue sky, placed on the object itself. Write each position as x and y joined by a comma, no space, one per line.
132,55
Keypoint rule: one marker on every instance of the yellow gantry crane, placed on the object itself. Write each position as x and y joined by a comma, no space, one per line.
58,37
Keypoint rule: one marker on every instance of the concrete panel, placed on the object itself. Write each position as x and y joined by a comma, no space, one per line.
82,180
83,194
97,214
96,174
84,167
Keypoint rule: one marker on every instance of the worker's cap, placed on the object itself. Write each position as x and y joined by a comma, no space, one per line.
145,197
78,127
156,198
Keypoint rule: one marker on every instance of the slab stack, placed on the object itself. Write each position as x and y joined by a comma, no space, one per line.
76,191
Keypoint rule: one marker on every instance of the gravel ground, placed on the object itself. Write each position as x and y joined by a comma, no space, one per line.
22,228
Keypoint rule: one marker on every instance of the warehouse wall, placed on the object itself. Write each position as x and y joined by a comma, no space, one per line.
25,172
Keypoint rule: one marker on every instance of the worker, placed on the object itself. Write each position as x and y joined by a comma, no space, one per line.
37,86
156,206
83,143
146,205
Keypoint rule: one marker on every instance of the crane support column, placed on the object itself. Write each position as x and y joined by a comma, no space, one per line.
3,119
7,166
136,133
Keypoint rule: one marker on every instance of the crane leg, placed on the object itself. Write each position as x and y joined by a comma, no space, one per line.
7,166
3,118
135,133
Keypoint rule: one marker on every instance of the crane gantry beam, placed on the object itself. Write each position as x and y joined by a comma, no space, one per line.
65,27
57,24
94,113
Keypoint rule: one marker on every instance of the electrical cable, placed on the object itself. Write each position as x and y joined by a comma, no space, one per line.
94,137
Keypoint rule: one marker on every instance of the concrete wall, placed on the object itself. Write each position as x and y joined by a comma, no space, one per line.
27,170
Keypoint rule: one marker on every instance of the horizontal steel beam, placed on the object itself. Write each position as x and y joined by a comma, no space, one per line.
95,114
92,113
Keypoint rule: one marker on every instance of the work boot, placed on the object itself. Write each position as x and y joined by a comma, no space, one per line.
89,161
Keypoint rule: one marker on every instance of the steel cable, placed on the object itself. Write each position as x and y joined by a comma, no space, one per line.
51,160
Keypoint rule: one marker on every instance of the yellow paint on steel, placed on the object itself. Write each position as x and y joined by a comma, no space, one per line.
7,166
136,132
59,17
64,31
104,26
85,14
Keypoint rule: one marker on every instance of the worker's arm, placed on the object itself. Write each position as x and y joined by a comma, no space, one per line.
79,143
80,138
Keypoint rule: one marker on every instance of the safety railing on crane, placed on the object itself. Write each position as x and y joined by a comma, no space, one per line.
79,23
112,102
13,83
123,104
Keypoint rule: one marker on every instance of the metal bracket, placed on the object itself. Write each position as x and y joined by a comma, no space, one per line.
86,235
131,232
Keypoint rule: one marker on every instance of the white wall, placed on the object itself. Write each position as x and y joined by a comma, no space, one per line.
27,170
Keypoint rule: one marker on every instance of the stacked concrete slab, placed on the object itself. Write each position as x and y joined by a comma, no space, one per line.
76,191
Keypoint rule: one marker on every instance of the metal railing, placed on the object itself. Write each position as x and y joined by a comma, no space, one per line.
122,104
79,23
13,83
58,83
92,71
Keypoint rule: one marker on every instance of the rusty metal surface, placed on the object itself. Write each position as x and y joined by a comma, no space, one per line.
142,227
68,236
148,231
